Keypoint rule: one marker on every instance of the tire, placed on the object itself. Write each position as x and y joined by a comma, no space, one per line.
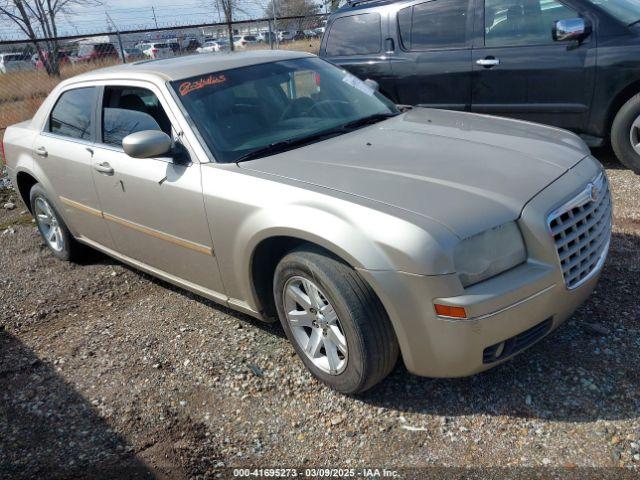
62,244
623,130
371,346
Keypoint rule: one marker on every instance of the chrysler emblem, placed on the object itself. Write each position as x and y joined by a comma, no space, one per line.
594,193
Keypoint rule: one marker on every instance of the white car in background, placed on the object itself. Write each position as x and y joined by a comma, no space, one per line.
13,62
213,46
242,41
285,36
156,50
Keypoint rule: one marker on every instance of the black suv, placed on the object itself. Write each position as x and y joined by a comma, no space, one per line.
574,64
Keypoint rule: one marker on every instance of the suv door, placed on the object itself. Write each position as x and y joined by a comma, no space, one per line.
63,149
520,71
354,42
431,64
153,206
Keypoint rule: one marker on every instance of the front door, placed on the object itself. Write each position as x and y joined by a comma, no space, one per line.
64,148
432,63
153,206
521,72
355,43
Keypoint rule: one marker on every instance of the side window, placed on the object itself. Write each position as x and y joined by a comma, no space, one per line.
71,117
126,110
434,24
522,22
355,35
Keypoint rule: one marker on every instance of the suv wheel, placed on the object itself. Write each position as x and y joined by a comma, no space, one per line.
335,322
52,228
625,134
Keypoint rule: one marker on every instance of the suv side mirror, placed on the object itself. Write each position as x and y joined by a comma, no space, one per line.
570,29
147,144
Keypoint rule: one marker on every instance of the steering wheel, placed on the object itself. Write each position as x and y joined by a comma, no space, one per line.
326,106
299,107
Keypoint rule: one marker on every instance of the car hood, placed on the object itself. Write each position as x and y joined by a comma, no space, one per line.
468,172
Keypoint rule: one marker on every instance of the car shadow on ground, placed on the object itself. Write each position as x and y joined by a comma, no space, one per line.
47,429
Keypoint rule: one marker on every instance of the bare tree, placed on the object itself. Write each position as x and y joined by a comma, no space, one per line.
292,8
229,9
37,19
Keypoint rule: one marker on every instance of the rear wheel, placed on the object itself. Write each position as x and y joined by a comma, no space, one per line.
625,134
334,320
52,227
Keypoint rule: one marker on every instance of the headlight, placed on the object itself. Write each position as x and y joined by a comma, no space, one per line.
489,253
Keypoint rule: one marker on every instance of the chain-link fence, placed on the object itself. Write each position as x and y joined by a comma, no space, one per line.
28,72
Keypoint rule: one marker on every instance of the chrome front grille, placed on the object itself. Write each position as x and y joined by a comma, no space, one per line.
581,229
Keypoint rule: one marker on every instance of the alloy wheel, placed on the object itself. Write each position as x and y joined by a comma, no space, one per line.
315,325
48,224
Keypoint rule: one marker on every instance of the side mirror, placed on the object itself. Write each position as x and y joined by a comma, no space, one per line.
570,29
372,84
147,144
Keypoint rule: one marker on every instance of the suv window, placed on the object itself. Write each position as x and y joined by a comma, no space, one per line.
71,117
355,35
126,110
434,24
522,22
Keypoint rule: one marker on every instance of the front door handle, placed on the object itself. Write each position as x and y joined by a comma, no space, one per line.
42,152
488,62
103,167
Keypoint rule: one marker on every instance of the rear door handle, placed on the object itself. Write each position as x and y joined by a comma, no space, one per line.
42,152
103,167
488,62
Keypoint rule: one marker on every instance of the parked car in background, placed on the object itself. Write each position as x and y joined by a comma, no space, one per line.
213,46
263,37
311,33
156,50
285,36
242,41
574,64
191,45
63,59
175,47
92,52
15,61
132,54
282,186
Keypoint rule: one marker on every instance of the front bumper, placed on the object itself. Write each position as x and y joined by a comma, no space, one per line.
518,307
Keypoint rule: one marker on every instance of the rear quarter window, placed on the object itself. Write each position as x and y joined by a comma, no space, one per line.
355,35
72,114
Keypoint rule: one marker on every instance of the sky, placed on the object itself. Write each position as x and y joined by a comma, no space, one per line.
138,14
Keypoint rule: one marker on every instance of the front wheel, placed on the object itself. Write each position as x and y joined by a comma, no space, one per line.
625,134
335,322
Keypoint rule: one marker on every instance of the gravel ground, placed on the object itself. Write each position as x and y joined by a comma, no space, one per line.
107,372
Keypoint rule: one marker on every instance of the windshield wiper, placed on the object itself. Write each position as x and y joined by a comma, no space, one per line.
281,146
278,147
633,23
368,120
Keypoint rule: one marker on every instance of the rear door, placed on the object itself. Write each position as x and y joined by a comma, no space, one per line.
355,43
431,64
521,72
153,206
64,151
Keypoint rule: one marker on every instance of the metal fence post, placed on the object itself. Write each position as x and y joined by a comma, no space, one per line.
270,34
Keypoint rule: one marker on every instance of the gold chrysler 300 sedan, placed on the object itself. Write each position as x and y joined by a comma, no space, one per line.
282,186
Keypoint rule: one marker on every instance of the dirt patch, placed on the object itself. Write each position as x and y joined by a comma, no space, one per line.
106,371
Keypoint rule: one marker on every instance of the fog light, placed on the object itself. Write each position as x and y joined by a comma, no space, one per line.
450,311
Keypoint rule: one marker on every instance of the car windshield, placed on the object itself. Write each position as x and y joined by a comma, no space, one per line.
247,110
627,11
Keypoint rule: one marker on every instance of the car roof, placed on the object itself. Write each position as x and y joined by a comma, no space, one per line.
177,68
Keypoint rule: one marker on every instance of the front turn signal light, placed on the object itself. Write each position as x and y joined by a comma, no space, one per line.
450,311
